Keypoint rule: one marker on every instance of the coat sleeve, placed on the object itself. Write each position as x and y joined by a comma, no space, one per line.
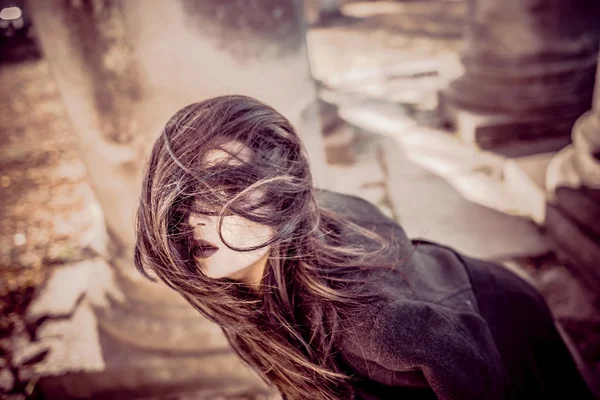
454,350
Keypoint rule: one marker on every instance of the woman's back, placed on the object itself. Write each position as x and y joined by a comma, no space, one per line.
442,328
320,292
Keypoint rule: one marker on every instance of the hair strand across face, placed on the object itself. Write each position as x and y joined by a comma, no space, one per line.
288,329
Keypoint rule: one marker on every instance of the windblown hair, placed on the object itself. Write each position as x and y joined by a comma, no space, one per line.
286,330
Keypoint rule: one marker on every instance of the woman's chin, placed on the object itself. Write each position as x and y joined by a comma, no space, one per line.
218,273
215,274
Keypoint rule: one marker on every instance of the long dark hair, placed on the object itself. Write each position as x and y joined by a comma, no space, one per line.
288,328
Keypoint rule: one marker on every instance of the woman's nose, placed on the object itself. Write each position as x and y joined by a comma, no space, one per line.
207,230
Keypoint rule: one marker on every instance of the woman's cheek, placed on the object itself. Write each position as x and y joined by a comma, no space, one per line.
240,232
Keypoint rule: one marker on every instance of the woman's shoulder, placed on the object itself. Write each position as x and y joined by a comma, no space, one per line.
364,214
453,349
421,270
428,287
352,207
426,319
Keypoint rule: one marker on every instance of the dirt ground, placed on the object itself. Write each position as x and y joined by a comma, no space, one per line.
46,201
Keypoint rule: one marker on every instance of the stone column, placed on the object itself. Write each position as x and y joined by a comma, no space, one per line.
123,67
330,9
573,184
528,70
322,11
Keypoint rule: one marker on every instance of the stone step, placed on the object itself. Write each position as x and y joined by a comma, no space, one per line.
438,185
576,245
525,180
476,174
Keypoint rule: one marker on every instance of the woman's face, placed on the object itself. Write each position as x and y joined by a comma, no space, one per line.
238,232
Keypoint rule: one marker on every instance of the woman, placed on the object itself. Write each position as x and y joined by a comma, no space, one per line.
321,293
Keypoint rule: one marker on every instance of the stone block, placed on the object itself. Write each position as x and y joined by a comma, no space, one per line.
507,133
364,179
72,345
59,296
430,207
329,116
377,116
339,145
578,247
582,206
475,174
25,350
78,354
80,361
524,178
567,296
131,373
442,189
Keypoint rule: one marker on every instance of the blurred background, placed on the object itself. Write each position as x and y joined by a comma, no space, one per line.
470,122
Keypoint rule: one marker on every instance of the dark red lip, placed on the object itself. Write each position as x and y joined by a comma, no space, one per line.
206,249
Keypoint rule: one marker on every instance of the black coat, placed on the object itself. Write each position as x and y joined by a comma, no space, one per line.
449,327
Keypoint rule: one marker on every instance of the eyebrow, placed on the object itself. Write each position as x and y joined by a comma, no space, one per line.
209,213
